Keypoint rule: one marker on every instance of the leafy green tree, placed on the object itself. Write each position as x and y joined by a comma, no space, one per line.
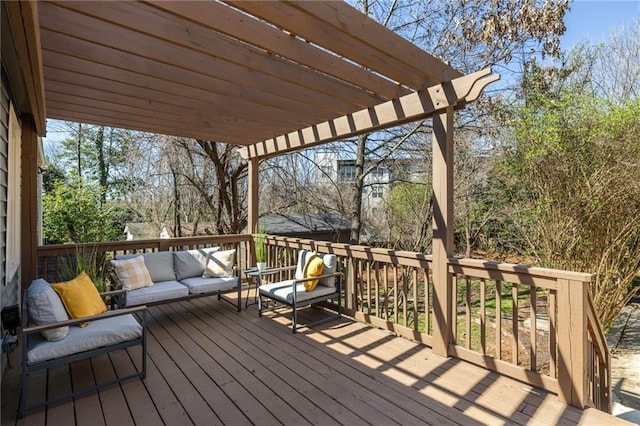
74,213
570,180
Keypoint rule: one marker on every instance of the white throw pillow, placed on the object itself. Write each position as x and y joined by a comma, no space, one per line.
220,264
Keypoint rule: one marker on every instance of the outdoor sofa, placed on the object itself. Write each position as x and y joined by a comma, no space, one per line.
176,275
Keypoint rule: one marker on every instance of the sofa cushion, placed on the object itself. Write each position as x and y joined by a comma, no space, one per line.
161,291
283,291
104,332
45,307
191,263
80,297
206,285
220,264
159,264
132,273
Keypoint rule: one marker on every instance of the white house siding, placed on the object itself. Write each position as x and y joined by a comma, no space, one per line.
8,293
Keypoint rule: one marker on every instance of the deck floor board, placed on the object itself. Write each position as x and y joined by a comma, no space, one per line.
208,364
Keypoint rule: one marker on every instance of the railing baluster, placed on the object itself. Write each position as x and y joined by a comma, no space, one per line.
377,290
467,306
427,302
533,334
416,317
405,316
396,299
385,271
498,319
514,320
483,316
369,289
553,347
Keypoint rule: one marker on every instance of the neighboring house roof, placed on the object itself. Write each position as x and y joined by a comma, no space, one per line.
280,224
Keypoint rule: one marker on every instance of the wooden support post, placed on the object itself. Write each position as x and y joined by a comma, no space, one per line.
442,230
29,202
252,205
572,342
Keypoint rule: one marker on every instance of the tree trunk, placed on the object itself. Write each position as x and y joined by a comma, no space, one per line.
356,208
177,204
102,166
79,153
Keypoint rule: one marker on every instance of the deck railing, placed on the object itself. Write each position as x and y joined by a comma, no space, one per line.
536,325
54,260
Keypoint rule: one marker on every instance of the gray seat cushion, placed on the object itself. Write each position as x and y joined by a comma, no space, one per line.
206,285
160,291
330,266
191,263
283,291
159,265
96,334
45,307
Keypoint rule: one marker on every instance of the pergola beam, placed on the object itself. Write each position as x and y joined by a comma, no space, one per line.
413,107
340,28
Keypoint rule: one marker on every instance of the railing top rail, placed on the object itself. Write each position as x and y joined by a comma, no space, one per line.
349,250
599,339
67,249
521,269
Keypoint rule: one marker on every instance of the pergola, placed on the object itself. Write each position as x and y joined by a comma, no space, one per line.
269,77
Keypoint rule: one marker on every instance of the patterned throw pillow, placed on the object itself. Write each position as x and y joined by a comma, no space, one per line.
80,297
220,264
313,268
132,273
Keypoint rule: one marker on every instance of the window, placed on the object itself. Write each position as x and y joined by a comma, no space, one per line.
377,172
347,173
377,191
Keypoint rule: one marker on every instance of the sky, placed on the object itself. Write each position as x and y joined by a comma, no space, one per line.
593,20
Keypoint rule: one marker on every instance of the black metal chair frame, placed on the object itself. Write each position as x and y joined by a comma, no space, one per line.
28,369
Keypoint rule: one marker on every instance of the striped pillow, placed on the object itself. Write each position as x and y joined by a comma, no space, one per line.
132,273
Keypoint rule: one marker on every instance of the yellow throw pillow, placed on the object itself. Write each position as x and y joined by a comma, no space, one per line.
132,273
80,297
313,268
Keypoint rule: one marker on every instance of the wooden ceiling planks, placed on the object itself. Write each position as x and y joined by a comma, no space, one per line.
156,31
152,52
243,72
248,29
196,87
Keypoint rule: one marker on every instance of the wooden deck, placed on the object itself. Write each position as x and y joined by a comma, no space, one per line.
209,365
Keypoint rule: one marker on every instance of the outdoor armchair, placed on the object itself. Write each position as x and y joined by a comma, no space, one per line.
293,292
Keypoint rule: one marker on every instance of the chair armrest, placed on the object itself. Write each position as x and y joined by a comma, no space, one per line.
113,293
302,280
333,274
104,315
271,271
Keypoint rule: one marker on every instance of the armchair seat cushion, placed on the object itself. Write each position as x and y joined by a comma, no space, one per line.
283,291
158,292
96,334
207,285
